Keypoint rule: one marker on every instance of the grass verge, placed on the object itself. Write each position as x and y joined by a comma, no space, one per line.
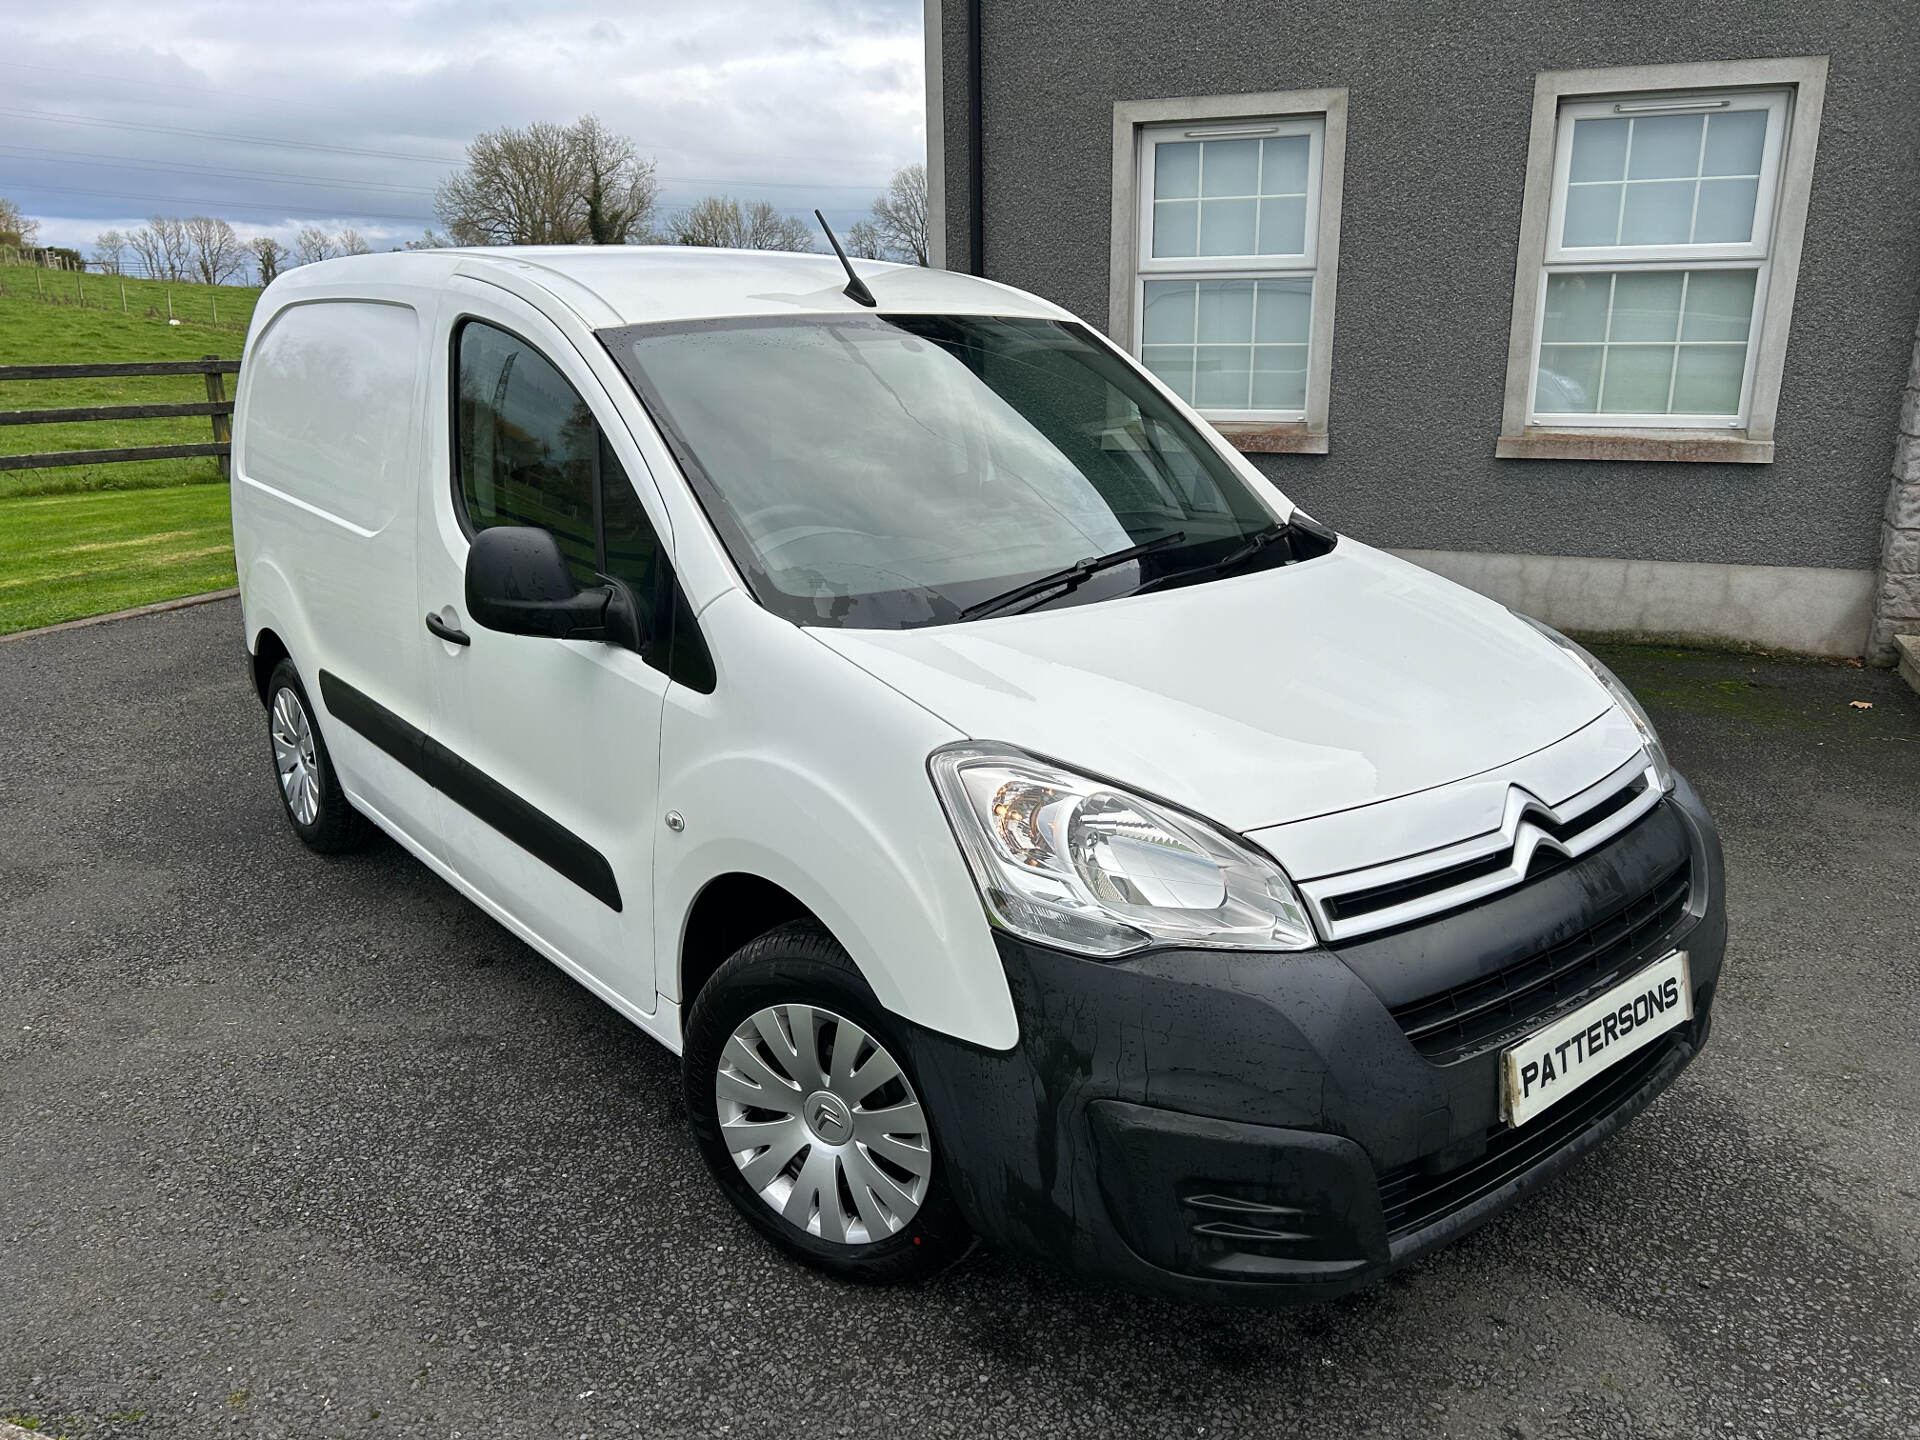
63,557
61,330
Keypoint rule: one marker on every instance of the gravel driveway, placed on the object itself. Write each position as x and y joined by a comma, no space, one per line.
305,1148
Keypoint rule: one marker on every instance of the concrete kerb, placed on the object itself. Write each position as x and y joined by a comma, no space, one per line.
157,608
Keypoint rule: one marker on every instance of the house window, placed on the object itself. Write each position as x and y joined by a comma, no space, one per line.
1671,226
1224,272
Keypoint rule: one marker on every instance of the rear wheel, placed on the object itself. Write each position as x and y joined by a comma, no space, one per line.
803,1102
310,793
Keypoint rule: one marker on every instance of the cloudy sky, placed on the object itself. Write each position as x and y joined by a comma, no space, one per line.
347,112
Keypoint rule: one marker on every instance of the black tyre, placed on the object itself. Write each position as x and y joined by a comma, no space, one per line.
802,1099
303,772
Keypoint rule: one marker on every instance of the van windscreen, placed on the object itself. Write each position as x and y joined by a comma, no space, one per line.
888,471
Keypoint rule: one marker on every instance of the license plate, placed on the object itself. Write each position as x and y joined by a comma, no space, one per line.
1553,1062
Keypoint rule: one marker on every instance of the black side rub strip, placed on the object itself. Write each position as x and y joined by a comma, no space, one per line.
473,790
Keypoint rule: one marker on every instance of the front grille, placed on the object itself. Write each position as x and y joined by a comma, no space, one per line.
1475,1016
1414,1199
1355,903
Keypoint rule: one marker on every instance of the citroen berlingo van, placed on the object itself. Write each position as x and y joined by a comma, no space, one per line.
1023,821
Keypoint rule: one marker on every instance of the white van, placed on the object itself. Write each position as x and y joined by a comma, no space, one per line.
1024,822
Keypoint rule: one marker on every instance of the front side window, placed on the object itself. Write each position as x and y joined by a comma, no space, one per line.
1228,263
528,451
1659,246
892,471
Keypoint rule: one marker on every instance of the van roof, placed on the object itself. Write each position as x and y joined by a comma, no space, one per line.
641,284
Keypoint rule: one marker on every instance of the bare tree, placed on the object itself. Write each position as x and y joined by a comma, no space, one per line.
720,220
109,252
175,250
16,229
147,258
549,184
864,242
351,243
618,190
432,240
214,255
313,244
900,216
269,257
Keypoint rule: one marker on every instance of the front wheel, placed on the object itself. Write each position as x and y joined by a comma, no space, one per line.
802,1101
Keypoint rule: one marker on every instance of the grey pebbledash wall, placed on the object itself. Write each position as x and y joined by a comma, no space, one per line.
1897,608
1440,98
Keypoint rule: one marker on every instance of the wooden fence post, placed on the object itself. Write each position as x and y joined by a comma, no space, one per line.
222,425
214,301
123,297
169,304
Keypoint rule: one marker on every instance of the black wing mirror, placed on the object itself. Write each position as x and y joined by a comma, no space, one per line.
518,582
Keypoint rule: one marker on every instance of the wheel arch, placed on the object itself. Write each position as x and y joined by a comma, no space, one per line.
729,911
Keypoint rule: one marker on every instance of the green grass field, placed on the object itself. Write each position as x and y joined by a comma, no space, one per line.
61,330
87,540
66,556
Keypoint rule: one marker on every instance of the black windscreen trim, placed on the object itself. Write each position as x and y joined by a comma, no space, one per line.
473,790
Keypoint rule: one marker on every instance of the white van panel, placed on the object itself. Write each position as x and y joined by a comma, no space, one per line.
332,406
326,464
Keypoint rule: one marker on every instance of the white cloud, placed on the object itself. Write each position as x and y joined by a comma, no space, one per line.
801,102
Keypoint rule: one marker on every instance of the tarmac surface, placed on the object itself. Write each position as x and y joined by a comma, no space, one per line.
306,1148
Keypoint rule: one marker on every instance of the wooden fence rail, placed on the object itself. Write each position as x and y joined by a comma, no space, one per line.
216,406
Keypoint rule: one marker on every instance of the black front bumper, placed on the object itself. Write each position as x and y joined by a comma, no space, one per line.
1256,1127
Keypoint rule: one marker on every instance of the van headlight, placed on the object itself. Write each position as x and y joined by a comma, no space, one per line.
1622,697
1076,863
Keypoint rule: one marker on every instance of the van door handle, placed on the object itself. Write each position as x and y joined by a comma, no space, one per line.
452,634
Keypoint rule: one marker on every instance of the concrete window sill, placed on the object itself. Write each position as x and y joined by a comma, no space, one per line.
1252,437
1684,446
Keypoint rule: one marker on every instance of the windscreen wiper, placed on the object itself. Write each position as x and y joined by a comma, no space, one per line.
1071,577
1246,550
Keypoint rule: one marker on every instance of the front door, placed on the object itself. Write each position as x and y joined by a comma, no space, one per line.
547,749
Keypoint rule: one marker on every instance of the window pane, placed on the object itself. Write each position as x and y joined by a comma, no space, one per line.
1230,167
1220,376
633,550
1176,170
1226,227
1577,307
1283,226
1279,377
1664,146
527,444
1174,227
1173,365
1659,213
1646,306
1283,165
1725,213
1637,379
1285,312
1599,149
1593,215
1719,304
1734,143
1708,379
1168,316
1568,379
1225,312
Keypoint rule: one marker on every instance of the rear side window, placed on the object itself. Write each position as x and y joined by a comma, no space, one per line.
329,408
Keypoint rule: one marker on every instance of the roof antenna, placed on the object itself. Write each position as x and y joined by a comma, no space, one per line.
856,287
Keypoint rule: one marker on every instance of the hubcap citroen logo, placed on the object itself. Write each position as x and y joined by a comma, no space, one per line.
828,1117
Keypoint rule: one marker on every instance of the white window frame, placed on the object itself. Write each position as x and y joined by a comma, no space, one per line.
1793,91
1139,127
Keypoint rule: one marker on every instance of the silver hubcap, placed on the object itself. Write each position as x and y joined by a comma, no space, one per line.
822,1122
294,758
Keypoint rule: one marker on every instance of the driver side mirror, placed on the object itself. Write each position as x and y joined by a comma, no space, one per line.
519,583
